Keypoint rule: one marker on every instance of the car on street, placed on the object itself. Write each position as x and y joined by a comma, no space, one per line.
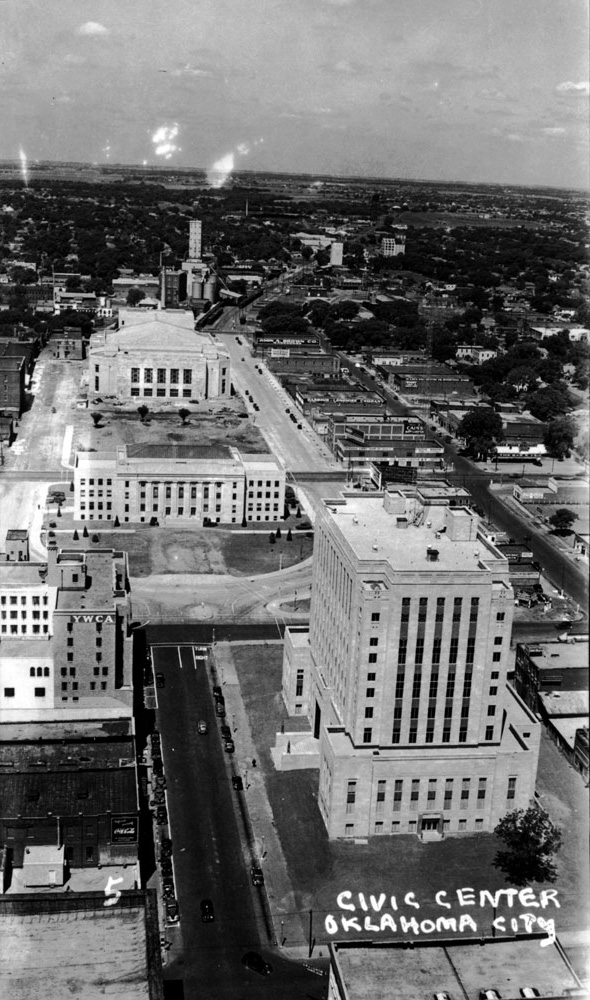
252,960
229,746
225,732
207,913
160,681
256,875
237,782
220,709
166,847
202,727
217,692
168,892
161,815
172,914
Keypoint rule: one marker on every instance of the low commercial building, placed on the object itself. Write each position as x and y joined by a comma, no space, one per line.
67,344
474,354
12,384
70,786
157,358
57,942
430,379
192,483
466,966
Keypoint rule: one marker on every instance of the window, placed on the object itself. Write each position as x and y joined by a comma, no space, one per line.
491,710
493,691
498,640
135,374
511,793
372,657
481,792
187,376
350,796
349,830
371,676
397,794
9,692
370,692
174,376
148,374
380,794
299,684
414,793
369,712
367,735
465,792
496,657
500,616
379,827
431,795
448,799
373,641
489,733
375,616
494,675
161,375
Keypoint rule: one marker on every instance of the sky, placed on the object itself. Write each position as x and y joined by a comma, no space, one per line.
489,91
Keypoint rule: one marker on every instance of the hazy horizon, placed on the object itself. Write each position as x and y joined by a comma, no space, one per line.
466,92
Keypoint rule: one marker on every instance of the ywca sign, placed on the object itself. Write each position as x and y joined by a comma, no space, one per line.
124,829
102,619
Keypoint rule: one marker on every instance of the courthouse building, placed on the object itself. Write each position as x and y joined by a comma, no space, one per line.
403,672
157,358
196,483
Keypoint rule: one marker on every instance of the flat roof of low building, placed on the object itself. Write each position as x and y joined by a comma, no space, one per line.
564,703
179,452
462,969
559,655
22,574
72,944
67,793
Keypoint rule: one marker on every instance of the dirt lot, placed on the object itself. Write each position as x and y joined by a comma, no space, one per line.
200,550
213,424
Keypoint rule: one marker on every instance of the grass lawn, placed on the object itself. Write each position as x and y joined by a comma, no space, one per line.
319,869
198,550
223,423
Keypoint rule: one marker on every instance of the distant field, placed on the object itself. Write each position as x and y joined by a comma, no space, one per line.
454,219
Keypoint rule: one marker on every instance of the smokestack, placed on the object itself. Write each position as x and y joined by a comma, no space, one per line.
163,287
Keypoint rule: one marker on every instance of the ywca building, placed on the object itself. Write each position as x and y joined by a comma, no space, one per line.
80,666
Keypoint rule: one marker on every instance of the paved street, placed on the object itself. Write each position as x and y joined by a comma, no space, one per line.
211,852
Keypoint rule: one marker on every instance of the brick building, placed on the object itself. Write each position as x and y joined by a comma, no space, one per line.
404,681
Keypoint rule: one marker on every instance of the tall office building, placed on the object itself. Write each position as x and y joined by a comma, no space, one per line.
392,246
403,674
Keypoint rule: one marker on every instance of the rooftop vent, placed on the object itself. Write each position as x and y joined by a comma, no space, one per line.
355,520
375,547
431,555
429,524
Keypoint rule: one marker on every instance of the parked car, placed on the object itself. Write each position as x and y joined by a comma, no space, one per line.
157,765
256,875
202,727
237,783
225,732
167,877
252,960
220,709
229,746
168,892
161,815
160,681
207,914
172,914
217,692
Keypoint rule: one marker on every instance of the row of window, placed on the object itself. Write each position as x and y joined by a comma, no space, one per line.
163,375
433,787
35,599
35,615
171,392
24,629
411,826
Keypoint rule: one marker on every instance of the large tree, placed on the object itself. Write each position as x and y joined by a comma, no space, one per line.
563,519
482,430
531,841
559,437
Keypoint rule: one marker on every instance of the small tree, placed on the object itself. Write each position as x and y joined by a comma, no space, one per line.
298,514
75,536
95,538
184,414
482,429
272,538
289,536
562,520
278,533
143,411
531,841
116,522
85,532
96,417
134,296
59,511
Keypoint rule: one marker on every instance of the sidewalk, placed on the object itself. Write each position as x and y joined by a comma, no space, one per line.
288,930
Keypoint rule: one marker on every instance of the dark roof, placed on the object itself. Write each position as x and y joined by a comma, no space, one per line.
64,755
178,451
88,792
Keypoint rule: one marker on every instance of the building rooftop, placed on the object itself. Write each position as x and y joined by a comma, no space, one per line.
101,583
560,655
401,973
100,729
66,793
74,945
560,703
21,574
65,755
413,537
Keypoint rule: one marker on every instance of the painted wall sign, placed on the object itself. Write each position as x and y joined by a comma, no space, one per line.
104,619
526,913
124,829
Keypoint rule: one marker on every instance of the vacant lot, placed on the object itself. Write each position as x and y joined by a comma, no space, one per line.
199,550
319,869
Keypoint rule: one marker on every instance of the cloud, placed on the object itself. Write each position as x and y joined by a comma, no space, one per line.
188,70
92,28
553,130
346,67
581,89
